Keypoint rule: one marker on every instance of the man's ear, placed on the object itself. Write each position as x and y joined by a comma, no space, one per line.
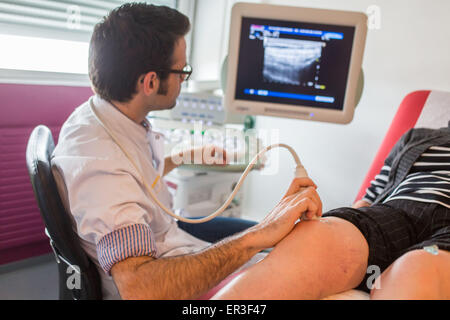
149,83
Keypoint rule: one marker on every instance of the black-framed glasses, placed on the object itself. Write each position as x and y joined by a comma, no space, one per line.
185,73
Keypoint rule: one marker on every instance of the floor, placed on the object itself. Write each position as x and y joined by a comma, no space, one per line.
31,279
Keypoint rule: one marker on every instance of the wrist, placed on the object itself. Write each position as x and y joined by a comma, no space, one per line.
249,243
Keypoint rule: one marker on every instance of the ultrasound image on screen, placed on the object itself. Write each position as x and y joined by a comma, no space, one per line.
296,63
291,61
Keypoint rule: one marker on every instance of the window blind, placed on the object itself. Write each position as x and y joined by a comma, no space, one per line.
59,19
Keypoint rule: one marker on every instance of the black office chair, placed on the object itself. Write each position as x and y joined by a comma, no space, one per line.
71,258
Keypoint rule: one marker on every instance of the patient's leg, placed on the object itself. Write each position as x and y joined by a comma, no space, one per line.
415,275
317,259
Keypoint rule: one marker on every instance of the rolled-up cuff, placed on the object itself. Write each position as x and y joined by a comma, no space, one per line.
131,241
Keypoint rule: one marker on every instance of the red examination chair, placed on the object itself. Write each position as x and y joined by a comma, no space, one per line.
427,109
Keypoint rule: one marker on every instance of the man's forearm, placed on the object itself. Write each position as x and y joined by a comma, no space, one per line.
187,276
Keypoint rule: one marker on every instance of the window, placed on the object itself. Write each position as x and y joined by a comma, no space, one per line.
48,40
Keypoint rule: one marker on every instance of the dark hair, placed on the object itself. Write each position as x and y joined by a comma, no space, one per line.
131,40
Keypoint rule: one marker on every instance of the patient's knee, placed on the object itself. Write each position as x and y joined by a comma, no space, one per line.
416,274
335,235
421,263
333,245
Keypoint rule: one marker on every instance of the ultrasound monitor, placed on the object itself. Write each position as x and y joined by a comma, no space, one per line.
294,62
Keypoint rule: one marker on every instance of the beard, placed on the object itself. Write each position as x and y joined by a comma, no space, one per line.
162,90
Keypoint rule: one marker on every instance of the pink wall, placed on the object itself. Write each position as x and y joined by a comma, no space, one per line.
22,107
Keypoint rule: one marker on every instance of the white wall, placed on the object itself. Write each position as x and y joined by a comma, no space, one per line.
210,37
409,52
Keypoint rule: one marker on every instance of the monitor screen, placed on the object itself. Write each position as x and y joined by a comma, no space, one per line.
293,62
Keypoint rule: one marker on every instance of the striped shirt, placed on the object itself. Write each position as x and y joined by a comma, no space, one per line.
427,181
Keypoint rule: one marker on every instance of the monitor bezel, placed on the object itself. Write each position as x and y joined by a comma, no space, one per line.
300,14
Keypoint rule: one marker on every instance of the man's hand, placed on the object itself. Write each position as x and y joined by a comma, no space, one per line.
188,276
300,184
208,155
281,220
205,155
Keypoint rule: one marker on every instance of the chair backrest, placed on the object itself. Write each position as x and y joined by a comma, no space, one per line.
430,109
22,108
78,276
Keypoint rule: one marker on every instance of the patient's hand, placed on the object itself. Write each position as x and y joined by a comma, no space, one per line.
360,203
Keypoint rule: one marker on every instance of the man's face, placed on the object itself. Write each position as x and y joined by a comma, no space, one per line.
170,88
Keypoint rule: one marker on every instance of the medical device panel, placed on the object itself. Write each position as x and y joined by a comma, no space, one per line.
294,62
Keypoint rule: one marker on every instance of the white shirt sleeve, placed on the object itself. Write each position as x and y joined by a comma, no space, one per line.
109,207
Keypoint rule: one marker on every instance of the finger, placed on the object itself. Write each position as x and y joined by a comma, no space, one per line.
291,201
304,182
312,193
303,193
220,155
309,215
298,183
304,206
223,156
223,153
311,211
294,199
208,157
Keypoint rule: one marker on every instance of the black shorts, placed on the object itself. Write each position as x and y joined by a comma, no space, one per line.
397,227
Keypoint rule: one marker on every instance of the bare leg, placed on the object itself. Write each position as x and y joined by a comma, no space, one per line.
317,259
415,275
